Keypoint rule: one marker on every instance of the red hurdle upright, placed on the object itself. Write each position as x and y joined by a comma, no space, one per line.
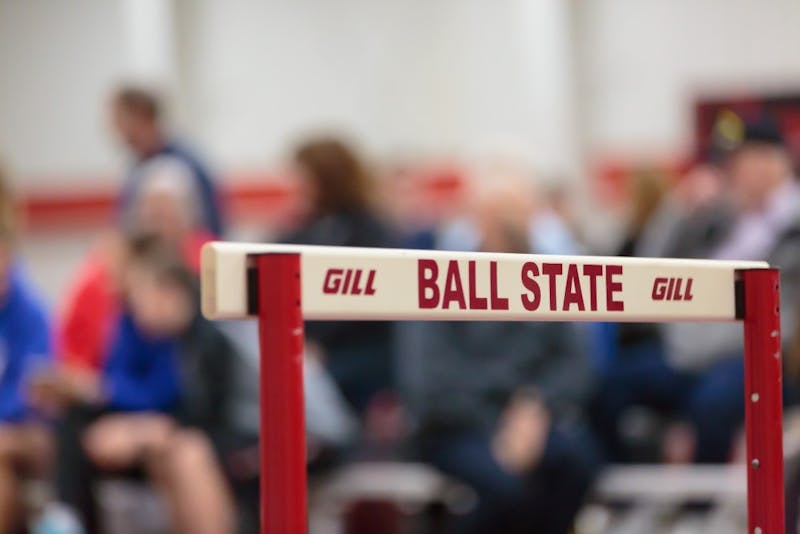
763,401
283,433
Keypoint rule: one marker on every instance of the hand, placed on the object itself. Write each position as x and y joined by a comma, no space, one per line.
53,389
519,442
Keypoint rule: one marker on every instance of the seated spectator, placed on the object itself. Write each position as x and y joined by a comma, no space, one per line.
497,405
698,376
161,403
137,116
357,354
165,206
24,347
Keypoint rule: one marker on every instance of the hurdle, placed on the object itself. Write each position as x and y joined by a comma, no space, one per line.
282,285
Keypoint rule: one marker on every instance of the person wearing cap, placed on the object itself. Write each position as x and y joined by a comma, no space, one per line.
763,224
698,375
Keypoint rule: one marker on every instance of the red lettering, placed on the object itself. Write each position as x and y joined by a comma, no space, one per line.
573,293
498,303
428,293
348,274
688,294
676,295
370,289
529,273
333,281
453,290
659,289
356,280
613,287
552,270
475,302
593,271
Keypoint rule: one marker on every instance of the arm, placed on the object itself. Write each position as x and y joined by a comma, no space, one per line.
28,351
82,331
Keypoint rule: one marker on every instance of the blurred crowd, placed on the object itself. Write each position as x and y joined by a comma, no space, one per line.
128,380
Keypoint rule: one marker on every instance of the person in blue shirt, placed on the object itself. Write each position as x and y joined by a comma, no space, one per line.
25,346
141,374
137,119
159,407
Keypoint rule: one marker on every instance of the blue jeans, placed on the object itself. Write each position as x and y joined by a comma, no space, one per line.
544,501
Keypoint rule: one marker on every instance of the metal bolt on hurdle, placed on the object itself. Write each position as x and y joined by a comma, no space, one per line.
282,285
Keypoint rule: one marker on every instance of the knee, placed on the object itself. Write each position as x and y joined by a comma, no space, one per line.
162,432
9,445
97,448
190,449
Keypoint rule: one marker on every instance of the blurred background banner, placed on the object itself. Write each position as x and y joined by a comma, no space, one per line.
711,114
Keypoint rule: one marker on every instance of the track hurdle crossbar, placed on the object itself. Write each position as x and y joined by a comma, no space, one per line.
282,285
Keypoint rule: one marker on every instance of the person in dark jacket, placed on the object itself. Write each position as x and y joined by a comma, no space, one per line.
498,406
160,404
698,375
357,354
137,118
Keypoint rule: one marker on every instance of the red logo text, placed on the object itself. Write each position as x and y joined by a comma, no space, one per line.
349,282
672,289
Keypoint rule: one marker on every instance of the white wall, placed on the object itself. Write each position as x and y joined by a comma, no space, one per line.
412,76
57,61
643,63
404,76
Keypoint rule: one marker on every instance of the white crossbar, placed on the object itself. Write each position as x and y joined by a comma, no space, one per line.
390,284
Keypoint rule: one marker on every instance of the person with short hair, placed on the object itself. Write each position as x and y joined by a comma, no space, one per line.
137,117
